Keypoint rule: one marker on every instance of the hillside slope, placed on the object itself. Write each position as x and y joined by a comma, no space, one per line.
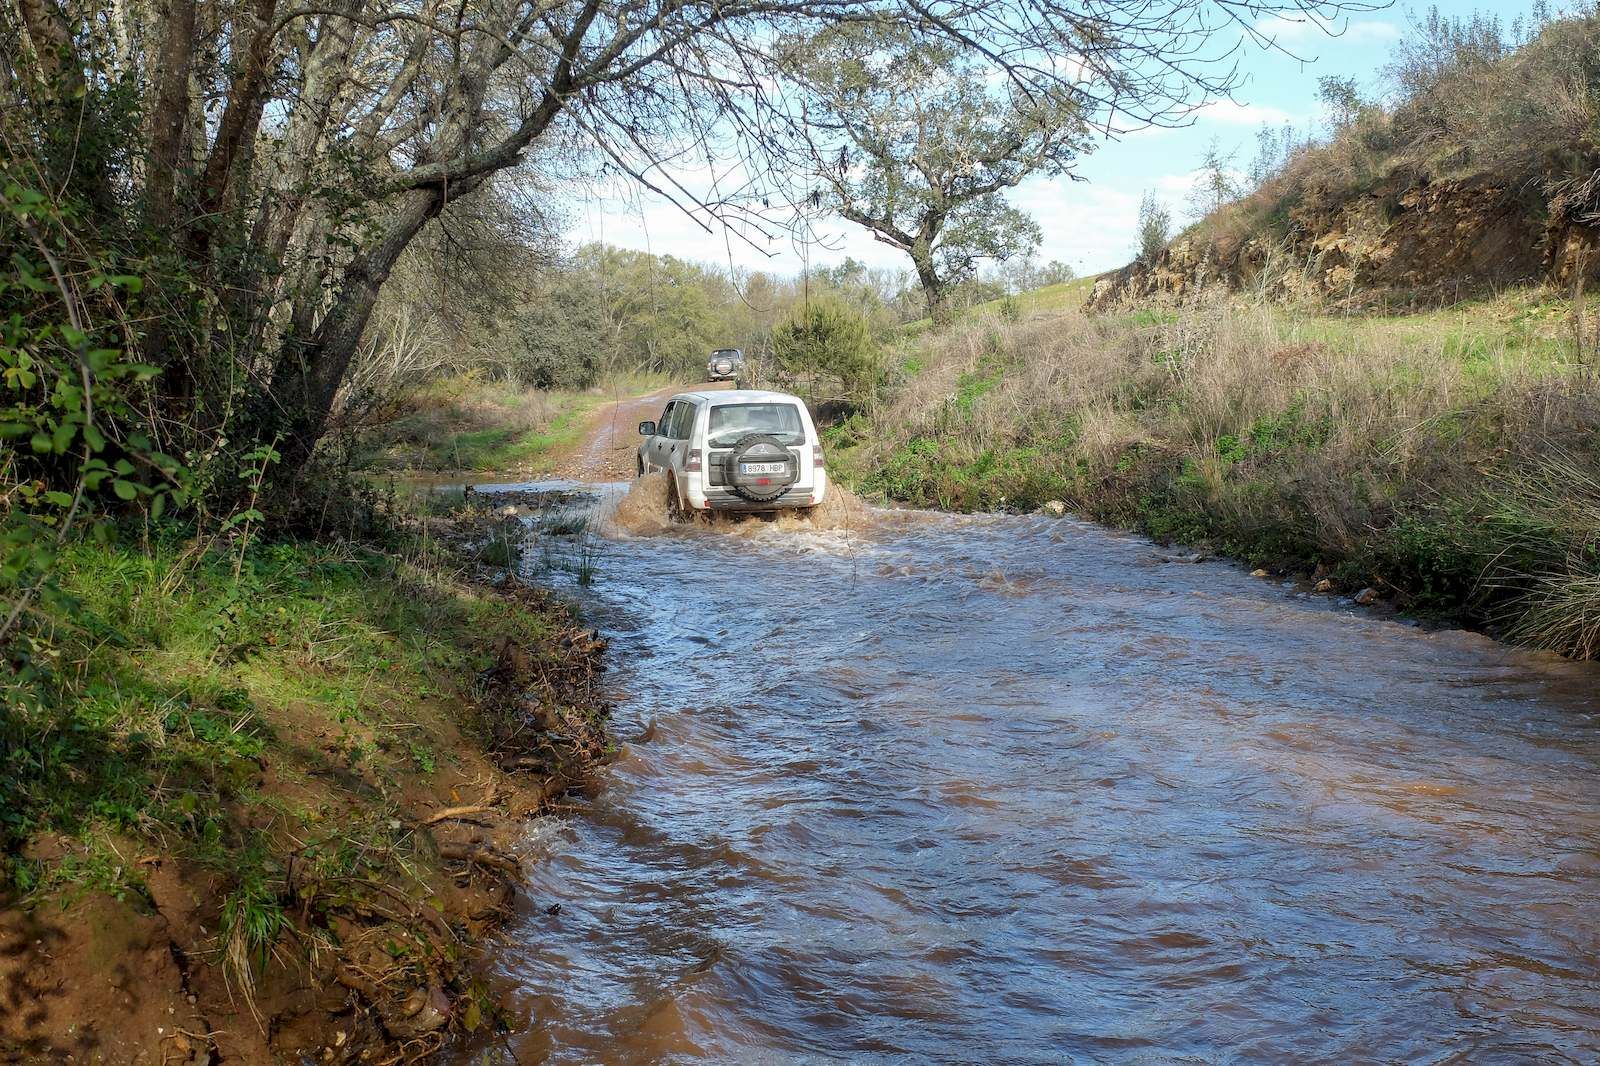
1482,172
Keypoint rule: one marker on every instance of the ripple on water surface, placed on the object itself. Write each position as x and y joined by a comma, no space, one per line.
1015,790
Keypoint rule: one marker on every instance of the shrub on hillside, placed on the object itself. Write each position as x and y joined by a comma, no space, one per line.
1155,227
828,346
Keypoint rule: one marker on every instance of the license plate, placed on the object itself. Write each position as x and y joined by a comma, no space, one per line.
763,468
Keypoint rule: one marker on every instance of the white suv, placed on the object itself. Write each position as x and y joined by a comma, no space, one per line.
740,450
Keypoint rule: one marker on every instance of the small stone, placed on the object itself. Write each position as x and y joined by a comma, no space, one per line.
508,511
1259,573
1367,597
424,1011
1324,585
1053,508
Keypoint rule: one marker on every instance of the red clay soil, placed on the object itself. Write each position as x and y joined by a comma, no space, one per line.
370,971
612,440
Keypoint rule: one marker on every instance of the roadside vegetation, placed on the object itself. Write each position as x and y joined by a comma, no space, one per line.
232,764
1449,459
505,389
465,424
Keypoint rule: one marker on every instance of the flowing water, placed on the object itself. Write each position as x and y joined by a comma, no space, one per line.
1006,789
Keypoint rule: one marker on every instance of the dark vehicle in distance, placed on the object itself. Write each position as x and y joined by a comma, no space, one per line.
725,364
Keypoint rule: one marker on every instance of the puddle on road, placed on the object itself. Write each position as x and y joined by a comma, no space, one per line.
998,789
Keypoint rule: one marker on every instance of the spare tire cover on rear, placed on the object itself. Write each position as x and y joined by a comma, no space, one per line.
760,488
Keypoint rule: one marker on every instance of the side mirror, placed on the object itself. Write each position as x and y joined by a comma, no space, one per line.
647,429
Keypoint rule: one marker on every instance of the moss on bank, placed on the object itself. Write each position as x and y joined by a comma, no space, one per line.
288,778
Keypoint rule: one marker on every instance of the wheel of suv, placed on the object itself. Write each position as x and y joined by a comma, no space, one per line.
638,466
676,512
757,448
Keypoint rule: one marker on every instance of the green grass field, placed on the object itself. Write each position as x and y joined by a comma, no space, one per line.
467,425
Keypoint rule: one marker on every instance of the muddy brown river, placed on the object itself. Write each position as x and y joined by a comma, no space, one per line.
1017,790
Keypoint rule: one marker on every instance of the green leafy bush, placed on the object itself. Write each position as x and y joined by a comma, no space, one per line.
830,343
79,442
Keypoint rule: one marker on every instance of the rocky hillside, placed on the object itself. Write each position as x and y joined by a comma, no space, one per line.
1422,241
1483,171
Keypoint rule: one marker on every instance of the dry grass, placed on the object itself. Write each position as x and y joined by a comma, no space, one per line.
1387,445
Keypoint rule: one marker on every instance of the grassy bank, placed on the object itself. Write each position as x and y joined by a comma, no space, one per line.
469,424
259,802
1449,460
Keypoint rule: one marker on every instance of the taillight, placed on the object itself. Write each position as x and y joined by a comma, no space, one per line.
692,464
816,455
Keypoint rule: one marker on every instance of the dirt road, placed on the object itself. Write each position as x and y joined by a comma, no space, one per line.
612,438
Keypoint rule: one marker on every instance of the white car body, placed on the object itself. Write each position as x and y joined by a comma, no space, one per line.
695,437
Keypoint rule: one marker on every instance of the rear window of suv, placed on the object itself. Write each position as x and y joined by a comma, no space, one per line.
731,421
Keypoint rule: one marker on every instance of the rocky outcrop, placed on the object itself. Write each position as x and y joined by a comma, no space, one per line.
1414,243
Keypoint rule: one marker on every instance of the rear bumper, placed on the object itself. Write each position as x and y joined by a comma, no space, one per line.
715,498
788,501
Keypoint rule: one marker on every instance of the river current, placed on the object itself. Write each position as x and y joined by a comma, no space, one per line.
931,788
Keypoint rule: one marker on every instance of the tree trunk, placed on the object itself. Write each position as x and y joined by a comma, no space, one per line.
933,286
170,108
54,57
308,376
310,370
240,118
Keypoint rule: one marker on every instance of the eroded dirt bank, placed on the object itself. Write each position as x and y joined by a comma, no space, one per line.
367,854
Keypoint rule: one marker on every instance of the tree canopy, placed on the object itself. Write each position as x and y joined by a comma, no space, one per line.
267,163
916,142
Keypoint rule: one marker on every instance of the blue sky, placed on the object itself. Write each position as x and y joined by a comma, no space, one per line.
1087,224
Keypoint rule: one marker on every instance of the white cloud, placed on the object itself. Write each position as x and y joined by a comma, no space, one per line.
1233,113
1089,227
1286,30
